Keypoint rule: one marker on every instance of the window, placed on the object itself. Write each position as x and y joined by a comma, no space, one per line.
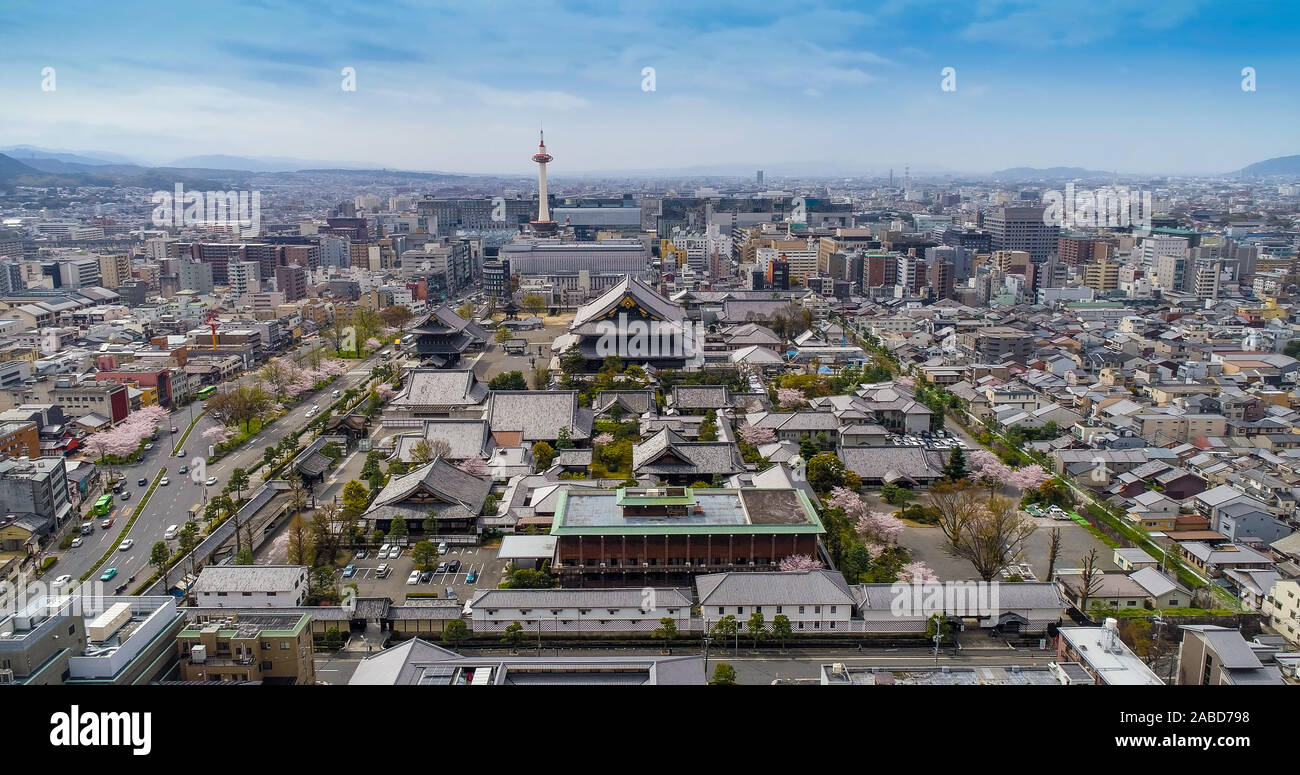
740,610
778,609
832,609
817,609
284,645
721,610
801,608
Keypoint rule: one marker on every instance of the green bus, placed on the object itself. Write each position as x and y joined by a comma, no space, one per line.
104,503
207,392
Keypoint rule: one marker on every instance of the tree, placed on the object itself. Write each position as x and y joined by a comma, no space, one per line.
396,316
543,453
397,529
541,378
300,550
466,310
187,540
808,449
723,675
825,471
455,632
725,628
425,555
355,499
1053,551
238,482
534,304
987,532
781,628
1090,578
896,495
514,635
245,556
564,438
757,627
501,335
510,380
955,468
667,629
158,557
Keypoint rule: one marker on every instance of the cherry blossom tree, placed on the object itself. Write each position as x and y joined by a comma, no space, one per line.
799,562
881,525
604,438
985,465
917,572
474,466
756,435
1029,477
373,344
218,434
385,391
789,398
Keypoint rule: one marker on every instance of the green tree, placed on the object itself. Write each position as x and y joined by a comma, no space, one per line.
238,482
514,635
725,629
455,633
425,555
757,627
543,453
723,675
1292,348
534,304
564,438
667,629
245,556
466,310
158,556
355,499
398,528
781,629
510,380
825,472
807,449
955,468
896,495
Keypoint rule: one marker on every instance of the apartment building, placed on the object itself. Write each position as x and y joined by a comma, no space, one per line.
270,648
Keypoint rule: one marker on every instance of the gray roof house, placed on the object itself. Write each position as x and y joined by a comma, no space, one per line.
436,489
524,417
668,456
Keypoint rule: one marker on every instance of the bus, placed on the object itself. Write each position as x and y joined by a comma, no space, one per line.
104,503
207,392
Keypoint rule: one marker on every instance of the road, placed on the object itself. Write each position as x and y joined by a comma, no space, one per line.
170,504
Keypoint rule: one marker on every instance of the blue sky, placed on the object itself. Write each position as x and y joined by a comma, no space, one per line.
463,86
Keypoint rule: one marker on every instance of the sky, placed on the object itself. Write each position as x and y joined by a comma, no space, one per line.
463,86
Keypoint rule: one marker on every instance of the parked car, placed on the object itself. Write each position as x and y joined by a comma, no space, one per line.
395,552
383,570
453,566
108,575
472,577
426,577
442,567
349,571
449,592
383,551
361,555
414,578
442,547
126,545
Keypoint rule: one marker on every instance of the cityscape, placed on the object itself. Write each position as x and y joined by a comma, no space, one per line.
545,398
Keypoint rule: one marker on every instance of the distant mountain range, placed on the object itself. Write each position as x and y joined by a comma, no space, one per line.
1049,173
1279,165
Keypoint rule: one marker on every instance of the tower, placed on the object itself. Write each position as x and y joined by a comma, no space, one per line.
543,226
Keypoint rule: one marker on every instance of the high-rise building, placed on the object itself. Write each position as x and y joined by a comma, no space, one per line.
758,178
245,277
291,281
114,269
1022,228
1101,276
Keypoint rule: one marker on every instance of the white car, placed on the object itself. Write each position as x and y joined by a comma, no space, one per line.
211,481
62,581
126,545
383,551
414,578
165,481
395,552
77,542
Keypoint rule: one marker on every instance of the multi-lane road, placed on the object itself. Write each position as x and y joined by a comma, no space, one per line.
170,504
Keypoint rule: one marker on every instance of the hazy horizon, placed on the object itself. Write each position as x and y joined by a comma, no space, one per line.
1154,89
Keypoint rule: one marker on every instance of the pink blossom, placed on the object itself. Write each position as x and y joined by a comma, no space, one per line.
373,344
1029,477
987,466
789,398
881,525
756,435
905,381
604,438
118,442
917,572
474,466
799,562
385,391
218,434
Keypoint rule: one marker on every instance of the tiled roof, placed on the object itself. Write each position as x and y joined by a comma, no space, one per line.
813,587
539,415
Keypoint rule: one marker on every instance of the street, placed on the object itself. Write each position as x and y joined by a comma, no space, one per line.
171,503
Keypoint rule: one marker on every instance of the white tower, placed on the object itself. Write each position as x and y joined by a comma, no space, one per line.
543,226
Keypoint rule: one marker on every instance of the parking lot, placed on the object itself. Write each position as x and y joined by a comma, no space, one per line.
479,561
940,440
